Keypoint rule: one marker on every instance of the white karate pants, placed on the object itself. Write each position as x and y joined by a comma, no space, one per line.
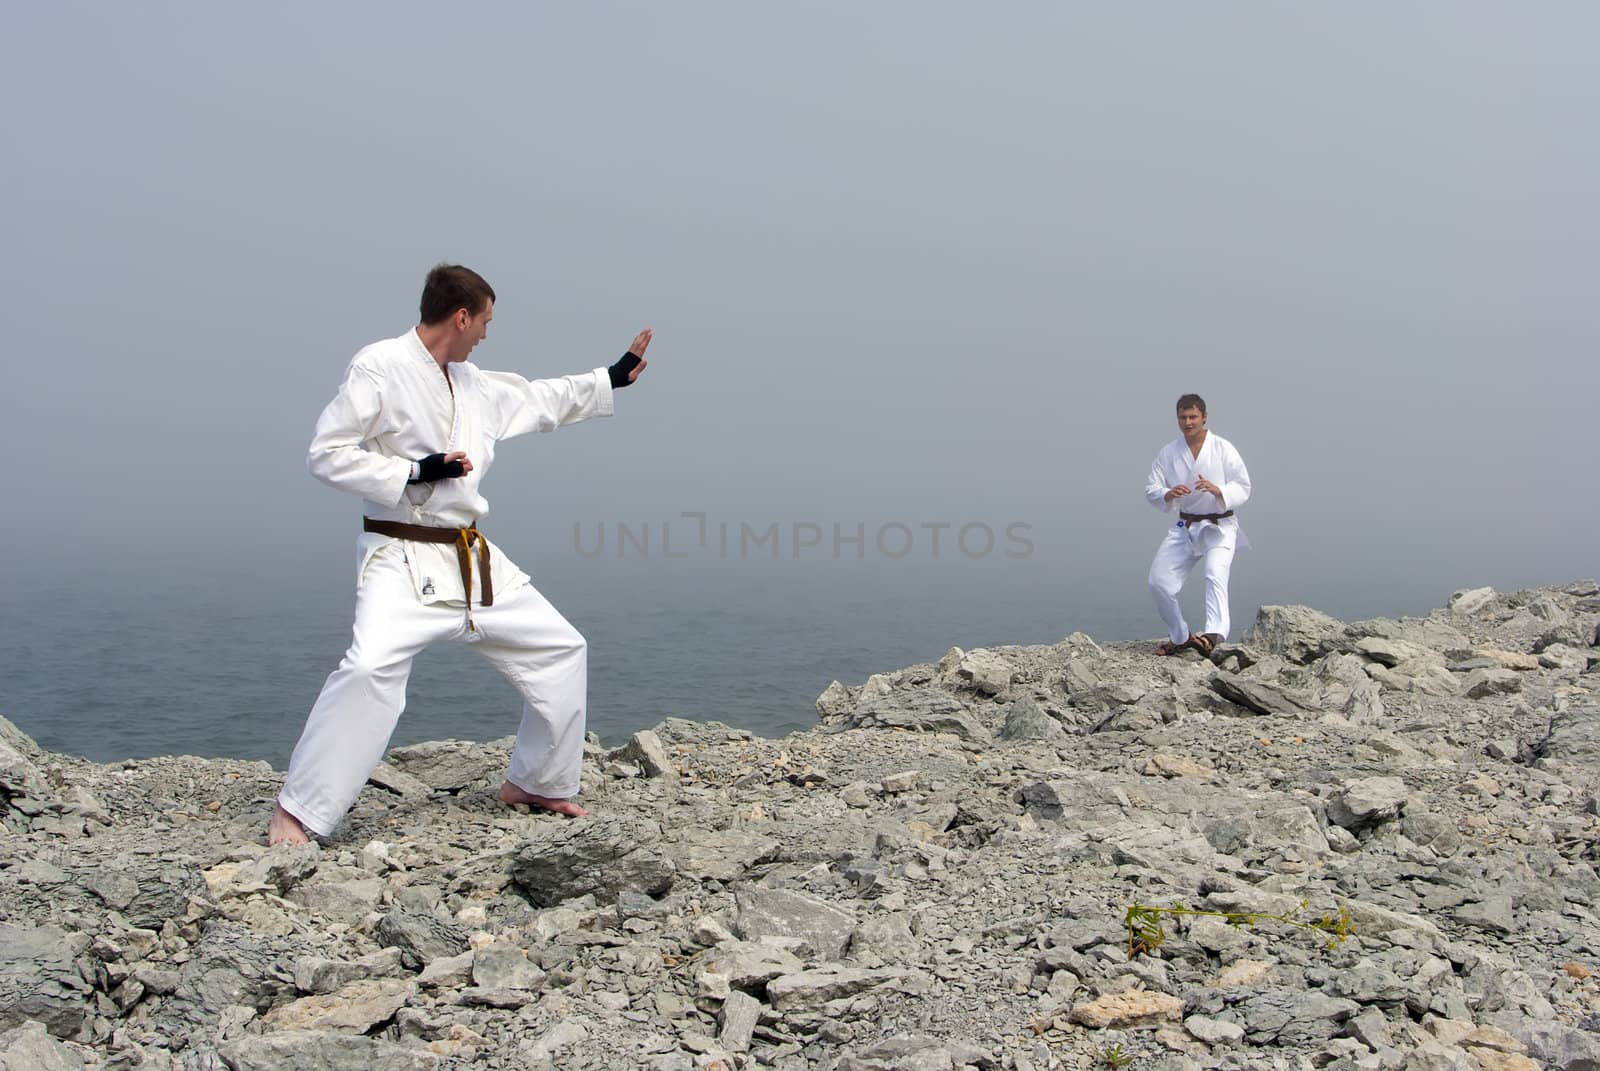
348,729
1175,559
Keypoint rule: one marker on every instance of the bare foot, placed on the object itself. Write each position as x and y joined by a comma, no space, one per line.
510,793
285,828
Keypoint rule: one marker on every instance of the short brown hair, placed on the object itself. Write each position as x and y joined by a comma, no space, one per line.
1192,401
450,287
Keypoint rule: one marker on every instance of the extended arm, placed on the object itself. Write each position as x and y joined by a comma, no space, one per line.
524,405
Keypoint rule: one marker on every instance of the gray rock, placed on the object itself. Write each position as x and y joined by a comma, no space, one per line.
1436,1055
1552,1044
1077,676
20,777
162,887
559,1038
808,990
504,998
1393,653
1492,913
1574,737
1367,802
597,857
399,782
1431,831
1569,635
928,710
39,979
738,1018
888,937
344,900
1298,633
315,1050
749,964
30,1047
1495,983
1232,821
505,966
1469,601
421,937
1483,683
1560,656
449,765
903,781
315,975
448,972
230,968
1365,704
718,854
1213,1031
356,1008
834,702
780,913
1026,721
1260,696
1288,1017
902,1052
645,750
1372,1028
988,672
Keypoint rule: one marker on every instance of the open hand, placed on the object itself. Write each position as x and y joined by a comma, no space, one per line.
1203,484
641,342
1177,492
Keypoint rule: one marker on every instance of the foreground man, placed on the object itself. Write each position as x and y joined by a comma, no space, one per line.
413,431
1203,478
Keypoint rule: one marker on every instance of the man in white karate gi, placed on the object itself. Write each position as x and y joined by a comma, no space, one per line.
1202,478
413,431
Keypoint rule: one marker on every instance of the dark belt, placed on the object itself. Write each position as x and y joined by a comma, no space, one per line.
463,538
1196,518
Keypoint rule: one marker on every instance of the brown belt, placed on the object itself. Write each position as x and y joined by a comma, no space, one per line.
463,538
1196,518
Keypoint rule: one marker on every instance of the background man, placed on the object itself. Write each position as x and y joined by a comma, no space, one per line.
1203,478
413,431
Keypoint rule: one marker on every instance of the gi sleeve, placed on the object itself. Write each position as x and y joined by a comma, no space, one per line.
521,405
1235,483
1155,488
338,457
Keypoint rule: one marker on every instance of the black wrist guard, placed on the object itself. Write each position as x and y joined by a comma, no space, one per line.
619,371
434,467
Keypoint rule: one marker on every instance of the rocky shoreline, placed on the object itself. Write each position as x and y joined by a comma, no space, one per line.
1386,835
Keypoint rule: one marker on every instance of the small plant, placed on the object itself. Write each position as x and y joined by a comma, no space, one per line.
1113,1057
1145,932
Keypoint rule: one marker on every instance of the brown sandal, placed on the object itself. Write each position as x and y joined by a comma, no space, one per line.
1170,648
1205,642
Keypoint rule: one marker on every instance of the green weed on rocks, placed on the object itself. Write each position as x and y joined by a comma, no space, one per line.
1145,932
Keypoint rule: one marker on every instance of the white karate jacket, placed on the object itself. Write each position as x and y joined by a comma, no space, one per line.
395,407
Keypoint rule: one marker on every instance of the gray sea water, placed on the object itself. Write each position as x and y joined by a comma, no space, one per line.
225,658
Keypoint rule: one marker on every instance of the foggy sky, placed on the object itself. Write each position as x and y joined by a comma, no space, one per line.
905,262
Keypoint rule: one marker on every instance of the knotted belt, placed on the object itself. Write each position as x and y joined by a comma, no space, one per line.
463,538
1189,518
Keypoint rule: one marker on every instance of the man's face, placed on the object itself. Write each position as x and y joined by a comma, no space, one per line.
1191,422
470,330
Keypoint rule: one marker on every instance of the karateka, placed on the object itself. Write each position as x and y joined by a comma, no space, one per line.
413,430
1202,478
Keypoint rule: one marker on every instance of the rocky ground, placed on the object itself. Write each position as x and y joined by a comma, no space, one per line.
1385,835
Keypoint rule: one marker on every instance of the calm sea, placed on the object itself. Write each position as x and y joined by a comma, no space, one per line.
190,658
211,661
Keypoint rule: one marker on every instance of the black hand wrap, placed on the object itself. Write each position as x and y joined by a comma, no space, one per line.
435,467
624,366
